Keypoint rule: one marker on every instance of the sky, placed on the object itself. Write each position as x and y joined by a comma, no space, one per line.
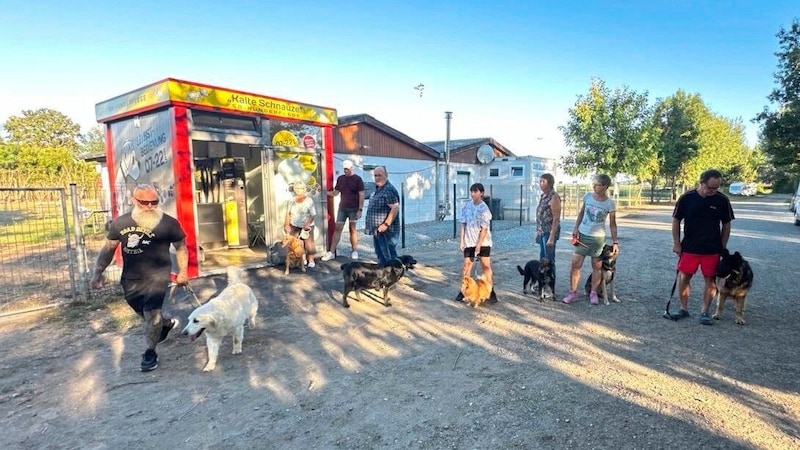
509,70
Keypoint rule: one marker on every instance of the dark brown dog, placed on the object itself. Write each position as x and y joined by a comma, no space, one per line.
608,276
295,253
360,275
734,279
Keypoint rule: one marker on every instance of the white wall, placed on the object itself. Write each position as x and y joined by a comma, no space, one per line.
415,178
505,186
418,178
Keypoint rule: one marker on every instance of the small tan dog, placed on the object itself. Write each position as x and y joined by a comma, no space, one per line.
476,291
295,253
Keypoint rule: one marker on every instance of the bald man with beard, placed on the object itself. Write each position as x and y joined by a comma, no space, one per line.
146,234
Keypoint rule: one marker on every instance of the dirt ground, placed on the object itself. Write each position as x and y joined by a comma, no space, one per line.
430,373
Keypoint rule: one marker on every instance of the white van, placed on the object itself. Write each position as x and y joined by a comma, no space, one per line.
795,196
740,188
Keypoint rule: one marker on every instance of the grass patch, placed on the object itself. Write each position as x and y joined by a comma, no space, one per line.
104,311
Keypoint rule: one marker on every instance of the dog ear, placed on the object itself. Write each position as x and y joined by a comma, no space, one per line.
208,320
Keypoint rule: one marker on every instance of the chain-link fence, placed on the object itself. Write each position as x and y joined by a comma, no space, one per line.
625,195
44,257
518,203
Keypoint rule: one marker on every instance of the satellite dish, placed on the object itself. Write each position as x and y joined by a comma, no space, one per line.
485,154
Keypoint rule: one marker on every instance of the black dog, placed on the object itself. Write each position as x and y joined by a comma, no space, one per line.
607,274
734,279
360,275
540,273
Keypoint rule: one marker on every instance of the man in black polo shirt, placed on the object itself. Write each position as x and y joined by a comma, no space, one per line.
706,214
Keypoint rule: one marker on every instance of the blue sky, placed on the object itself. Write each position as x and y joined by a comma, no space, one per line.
506,69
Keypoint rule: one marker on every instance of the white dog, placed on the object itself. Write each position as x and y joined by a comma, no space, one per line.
222,316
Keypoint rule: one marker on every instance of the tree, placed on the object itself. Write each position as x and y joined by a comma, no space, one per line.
676,117
43,128
780,129
609,132
722,145
27,165
94,142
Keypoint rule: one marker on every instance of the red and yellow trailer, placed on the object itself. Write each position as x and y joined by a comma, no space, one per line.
223,161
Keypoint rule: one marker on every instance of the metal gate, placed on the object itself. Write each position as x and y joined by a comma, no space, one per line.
35,249
44,256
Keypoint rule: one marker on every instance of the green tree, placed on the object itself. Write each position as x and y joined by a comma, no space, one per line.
94,142
780,128
609,132
43,128
722,145
676,117
23,165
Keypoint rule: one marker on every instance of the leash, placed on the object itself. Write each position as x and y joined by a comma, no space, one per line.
667,315
186,289
575,241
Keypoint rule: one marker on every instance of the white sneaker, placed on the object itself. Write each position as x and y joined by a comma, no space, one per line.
311,265
354,255
328,256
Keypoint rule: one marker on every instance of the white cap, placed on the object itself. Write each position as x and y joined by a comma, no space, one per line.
347,164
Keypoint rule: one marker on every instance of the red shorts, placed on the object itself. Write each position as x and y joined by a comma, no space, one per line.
689,262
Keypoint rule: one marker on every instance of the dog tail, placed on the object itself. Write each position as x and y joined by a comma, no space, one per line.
521,272
234,275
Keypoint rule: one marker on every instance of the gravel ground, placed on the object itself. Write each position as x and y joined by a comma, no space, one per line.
430,373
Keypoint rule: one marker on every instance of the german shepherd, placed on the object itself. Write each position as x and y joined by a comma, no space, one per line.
607,274
734,279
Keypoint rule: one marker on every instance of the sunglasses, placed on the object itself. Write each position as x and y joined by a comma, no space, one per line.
147,202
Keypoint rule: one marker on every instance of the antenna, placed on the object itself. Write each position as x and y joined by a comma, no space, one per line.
420,87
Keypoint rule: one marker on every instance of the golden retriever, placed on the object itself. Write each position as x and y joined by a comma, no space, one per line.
222,316
476,291
295,253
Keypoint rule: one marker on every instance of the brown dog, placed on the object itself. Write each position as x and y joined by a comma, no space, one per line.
734,280
476,291
295,253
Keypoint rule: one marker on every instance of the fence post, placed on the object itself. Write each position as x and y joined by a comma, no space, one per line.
402,215
491,199
454,211
80,245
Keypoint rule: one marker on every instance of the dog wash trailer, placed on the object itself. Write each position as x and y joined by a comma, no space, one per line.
223,161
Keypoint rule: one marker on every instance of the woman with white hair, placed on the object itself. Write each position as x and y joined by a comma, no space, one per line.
300,213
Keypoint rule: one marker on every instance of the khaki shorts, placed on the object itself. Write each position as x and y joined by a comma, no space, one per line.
595,244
